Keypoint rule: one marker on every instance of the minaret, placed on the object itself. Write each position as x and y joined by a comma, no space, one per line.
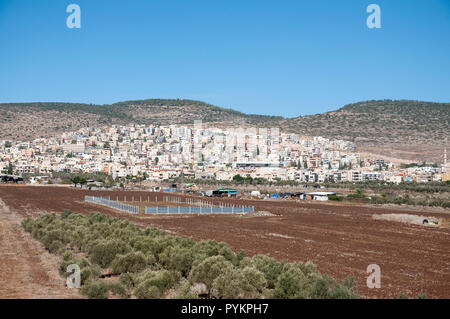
445,156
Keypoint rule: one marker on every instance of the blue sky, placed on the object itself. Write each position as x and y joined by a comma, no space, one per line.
280,57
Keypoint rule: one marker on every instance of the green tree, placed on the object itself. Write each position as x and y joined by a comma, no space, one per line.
10,169
238,178
208,270
247,283
131,262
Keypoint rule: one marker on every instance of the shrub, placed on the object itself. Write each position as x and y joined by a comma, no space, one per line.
248,283
146,290
118,289
166,279
89,272
336,198
211,248
253,283
99,289
208,270
104,252
177,258
56,247
238,258
28,224
227,285
151,245
67,213
321,289
185,291
95,290
131,262
291,284
127,280
270,267
99,217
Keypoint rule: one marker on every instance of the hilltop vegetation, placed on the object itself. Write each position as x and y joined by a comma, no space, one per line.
26,121
402,129
411,130
378,121
150,264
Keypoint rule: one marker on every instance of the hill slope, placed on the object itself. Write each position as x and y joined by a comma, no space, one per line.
20,121
401,129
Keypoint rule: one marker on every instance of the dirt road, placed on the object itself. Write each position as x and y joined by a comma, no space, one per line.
27,270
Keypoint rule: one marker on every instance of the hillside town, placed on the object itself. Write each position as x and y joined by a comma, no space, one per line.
160,153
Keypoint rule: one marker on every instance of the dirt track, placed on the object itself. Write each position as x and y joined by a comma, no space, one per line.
27,270
341,239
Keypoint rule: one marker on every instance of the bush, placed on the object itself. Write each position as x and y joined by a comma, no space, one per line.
211,248
127,280
185,291
56,247
253,283
208,270
28,224
95,290
67,213
131,262
177,258
147,290
100,289
291,284
99,217
247,283
104,252
336,198
90,272
151,245
270,267
118,289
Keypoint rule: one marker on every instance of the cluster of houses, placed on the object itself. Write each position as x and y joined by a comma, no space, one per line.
163,152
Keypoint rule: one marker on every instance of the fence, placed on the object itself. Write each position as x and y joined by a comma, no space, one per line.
105,201
222,209
200,210
190,201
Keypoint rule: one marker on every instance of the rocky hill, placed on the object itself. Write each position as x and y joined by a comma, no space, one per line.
404,129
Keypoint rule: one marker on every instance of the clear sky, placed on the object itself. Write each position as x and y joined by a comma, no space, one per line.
278,57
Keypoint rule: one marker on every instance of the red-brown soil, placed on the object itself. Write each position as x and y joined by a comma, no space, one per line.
341,239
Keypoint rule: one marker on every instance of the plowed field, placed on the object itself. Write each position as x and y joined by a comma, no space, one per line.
341,239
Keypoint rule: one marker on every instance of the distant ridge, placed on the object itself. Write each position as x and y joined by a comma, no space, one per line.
403,129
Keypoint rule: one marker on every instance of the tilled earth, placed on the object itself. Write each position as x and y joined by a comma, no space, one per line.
341,239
